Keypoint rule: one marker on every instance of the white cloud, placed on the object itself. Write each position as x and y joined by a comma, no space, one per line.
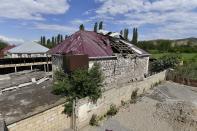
169,18
11,40
55,27
80,21
31,9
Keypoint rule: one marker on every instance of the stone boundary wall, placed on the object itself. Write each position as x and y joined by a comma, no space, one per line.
86,108
50,120
180,79
55,120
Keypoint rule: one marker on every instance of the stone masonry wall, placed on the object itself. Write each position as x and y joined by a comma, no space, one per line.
55,120
123,70
86,108
51,120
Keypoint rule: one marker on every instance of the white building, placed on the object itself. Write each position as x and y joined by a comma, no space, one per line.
28,50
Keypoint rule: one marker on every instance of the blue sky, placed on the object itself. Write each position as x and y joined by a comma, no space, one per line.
27,20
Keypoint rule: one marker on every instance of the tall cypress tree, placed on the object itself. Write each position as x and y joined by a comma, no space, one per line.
95,27
44,40
61,38
135,36
48,43
121,33
53,41
126,33
41,40
81,27
66,36
58,38
101,25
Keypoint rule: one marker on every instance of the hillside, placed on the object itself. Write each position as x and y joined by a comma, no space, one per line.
192,41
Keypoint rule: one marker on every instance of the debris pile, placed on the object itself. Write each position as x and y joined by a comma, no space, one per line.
181,115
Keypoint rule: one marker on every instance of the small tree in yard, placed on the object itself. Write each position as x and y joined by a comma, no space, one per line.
79,84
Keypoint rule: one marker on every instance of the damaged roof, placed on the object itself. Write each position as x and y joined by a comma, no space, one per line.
85,42
99,44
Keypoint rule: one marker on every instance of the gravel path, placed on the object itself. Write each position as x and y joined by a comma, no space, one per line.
142,115
136,117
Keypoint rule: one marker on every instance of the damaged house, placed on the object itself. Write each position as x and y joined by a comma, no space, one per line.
121,61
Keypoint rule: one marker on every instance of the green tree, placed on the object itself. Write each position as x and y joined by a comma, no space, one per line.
53,41
66,36
61,38
58,38
41,40
135,36
3,44
101,25
44,40
95,27
126,33
121,33
79,84
165,62
49,45
81,27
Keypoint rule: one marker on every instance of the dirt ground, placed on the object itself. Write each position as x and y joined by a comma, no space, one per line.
167,107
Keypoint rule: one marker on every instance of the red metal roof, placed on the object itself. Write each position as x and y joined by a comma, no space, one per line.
5,50
84,42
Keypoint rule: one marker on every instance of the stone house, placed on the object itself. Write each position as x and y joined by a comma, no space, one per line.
121,61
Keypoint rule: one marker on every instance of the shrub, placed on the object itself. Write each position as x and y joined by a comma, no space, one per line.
112,111
134,96
123,103
68,107
79,84
94,120
165,62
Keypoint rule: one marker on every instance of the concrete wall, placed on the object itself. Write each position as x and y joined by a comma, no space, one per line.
51,120
86,108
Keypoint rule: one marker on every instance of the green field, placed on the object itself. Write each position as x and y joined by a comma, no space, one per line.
185,56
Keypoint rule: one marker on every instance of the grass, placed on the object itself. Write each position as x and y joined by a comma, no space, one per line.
185,56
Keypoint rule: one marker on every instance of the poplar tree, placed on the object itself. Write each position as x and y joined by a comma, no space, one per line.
61,38
66,36
44,40
58,38
135,36
126,33
101,25
53,41
121,33
95,27
81,27
41,40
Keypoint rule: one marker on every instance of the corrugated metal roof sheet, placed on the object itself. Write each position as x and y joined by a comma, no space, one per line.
29,48
85,42
96,45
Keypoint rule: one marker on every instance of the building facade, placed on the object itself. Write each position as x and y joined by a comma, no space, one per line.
119,59
28,50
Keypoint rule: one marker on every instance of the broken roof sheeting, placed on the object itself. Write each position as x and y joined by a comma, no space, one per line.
29,48
85,42
135,49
